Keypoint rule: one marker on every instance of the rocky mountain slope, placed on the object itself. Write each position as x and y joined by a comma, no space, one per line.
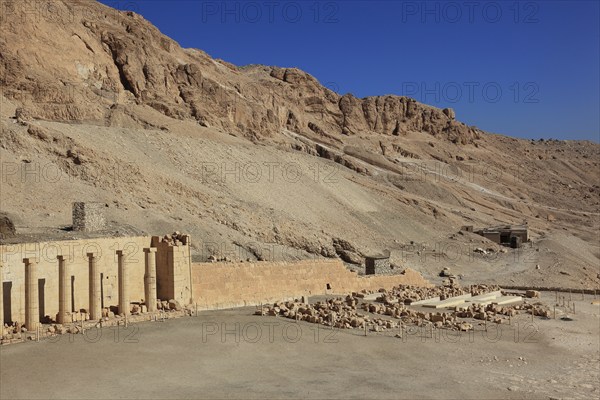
264,162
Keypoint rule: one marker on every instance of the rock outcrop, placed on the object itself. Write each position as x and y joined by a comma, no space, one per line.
109,59
7,227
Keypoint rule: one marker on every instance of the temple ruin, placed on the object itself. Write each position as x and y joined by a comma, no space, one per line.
60,281
93,279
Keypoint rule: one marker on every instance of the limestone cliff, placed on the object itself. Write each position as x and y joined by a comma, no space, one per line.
85,62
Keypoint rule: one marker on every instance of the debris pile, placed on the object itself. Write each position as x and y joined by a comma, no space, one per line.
16,332
409,294
338,312
392,310
175,239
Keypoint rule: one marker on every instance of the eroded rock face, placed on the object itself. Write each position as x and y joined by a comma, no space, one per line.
102,59
385,115
7,228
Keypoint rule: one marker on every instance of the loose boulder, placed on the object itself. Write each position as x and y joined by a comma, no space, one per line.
174,305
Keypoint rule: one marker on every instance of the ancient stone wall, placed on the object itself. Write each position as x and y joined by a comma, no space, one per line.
210,285
223,285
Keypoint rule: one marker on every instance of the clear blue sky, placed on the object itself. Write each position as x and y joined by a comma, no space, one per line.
527,68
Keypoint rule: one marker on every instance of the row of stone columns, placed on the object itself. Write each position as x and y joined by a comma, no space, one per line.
95,301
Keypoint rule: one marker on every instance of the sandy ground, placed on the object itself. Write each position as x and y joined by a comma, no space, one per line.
233,354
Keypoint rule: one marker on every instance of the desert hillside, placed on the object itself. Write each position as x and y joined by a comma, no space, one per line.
264,162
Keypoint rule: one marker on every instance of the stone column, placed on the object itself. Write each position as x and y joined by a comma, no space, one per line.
95,308
64,291
150,279
1,303
124,301
32,307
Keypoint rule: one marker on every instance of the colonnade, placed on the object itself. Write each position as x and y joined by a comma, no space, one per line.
32,317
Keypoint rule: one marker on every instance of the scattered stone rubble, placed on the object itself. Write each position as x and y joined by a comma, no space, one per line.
338,312
213,258
394,308
175,239
410,294
17,333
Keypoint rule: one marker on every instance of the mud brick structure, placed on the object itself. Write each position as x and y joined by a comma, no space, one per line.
88,217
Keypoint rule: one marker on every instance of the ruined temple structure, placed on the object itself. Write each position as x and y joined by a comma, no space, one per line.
67,281
55,281
506,235
98,278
